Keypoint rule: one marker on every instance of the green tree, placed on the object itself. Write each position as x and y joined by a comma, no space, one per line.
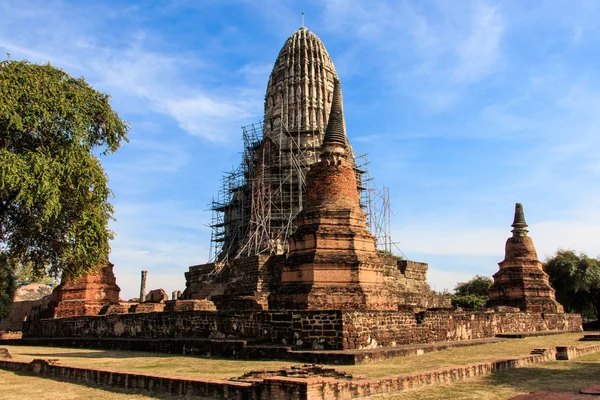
7,290
477,286
24,273
576,279
472,294
54,208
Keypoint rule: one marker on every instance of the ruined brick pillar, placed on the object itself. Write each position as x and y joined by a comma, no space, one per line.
521,282
86,295
332,261
143,286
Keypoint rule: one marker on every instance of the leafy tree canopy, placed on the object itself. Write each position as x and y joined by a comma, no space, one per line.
54,208
24,274
469,301
477,286
7,289
472,294
576,279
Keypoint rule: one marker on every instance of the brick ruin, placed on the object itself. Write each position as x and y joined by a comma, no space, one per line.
521,281
88,294
332,262
329,289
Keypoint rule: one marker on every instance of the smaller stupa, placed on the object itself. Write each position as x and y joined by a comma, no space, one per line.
88,294
521,282
332,262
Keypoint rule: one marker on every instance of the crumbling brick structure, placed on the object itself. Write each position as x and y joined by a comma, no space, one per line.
332,261
293,133
87,295
521,282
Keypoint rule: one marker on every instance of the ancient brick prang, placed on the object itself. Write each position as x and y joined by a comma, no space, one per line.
332,261
86,295
521,282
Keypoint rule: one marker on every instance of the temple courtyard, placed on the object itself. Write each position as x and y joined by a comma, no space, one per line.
299,299
551,375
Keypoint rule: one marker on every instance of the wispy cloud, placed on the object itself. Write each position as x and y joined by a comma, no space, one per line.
479,53
451,48
125,66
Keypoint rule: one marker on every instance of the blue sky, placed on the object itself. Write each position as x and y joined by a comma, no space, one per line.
464,108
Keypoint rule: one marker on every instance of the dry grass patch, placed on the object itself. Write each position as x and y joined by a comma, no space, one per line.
19,387
202,367
569,376
462,355
141,362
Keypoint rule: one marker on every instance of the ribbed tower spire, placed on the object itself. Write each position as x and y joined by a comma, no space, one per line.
335,134
519,225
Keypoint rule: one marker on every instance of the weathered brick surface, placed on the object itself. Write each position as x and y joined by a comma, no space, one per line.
332,261
521,281
572,352
318,329
372,329
157,296
243,284
29,302
190,305
310,329
22,311
205,281
86,295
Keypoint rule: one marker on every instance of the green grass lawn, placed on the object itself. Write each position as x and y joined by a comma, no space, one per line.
201,367
556,375
463,355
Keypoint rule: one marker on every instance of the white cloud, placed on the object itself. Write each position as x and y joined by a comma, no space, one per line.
479,52
197,116
446,280
132,68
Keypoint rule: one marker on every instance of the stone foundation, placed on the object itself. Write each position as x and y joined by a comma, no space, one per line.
309,329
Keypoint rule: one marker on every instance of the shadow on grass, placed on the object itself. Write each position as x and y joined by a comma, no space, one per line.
109,389
102,354
569,376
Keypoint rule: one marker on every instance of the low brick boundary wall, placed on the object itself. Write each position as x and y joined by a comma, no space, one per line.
572,352
207,389
277,387
394,384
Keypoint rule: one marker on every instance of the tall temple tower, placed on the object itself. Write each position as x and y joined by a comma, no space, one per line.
299,94
332,261
262,197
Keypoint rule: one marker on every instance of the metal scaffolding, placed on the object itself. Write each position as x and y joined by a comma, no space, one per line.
376,203
258,201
